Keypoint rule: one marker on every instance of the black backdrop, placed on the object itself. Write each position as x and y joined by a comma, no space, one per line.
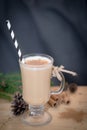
54,27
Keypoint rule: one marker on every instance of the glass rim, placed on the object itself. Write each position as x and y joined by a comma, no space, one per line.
37,54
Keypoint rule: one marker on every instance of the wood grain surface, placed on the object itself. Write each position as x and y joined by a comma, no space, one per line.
64,117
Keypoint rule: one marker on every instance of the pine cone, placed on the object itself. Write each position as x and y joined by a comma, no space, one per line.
19,106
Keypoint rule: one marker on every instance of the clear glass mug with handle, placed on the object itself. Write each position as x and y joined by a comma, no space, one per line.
36,72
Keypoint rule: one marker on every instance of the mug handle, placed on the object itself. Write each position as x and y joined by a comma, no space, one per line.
62,85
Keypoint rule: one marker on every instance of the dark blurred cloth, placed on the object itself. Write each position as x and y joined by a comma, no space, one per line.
54,27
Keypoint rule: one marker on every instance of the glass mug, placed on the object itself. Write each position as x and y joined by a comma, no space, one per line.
36,72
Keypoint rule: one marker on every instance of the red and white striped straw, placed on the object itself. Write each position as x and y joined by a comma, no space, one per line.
14,39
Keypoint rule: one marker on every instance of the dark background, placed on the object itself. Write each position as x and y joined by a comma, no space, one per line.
54,27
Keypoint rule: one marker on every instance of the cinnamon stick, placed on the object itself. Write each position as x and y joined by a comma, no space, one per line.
52,102
60,101
55,97
65,98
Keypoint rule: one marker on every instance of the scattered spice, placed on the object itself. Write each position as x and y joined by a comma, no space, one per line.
70,113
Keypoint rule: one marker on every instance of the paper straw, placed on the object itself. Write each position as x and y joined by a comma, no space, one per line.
14,40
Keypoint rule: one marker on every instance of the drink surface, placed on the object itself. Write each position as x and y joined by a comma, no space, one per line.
37,60
36,81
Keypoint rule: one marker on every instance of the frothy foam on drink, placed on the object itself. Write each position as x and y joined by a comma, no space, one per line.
36,60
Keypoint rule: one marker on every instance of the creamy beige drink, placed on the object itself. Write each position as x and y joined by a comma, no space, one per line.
36,74
36,70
